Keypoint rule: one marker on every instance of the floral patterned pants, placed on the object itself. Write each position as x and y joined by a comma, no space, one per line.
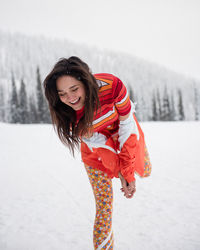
103,193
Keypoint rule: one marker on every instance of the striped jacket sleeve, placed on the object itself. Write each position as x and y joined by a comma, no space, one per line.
127,136
121,97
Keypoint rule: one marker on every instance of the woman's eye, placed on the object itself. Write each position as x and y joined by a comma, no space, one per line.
75,89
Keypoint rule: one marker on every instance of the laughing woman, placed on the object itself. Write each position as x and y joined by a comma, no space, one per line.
96,112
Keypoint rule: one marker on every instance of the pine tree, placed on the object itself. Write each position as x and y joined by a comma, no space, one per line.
165,116
2,105
145,112
42,109
154,108
196,103
159,105
180,106
23,105
14,105
137,106
46,117
131,94
172,108
32,110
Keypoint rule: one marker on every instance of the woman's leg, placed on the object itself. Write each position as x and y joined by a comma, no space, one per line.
103,193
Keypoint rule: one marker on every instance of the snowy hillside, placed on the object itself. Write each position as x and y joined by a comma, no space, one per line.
46,201
20,55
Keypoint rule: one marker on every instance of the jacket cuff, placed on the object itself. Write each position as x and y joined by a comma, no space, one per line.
130,178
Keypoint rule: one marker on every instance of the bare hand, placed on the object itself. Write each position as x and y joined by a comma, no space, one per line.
128,188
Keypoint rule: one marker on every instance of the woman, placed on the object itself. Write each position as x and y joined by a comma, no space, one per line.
95,110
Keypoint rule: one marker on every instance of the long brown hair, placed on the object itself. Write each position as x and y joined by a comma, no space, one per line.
63,116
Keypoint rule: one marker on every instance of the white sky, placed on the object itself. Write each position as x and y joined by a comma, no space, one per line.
166,32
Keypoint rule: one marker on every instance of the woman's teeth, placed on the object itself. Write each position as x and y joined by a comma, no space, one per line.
75,101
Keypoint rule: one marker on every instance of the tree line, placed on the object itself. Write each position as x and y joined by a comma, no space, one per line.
165,105
25,109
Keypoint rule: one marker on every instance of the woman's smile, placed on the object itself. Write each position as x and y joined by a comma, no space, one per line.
76,101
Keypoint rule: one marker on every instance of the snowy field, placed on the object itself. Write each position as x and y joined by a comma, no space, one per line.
46,202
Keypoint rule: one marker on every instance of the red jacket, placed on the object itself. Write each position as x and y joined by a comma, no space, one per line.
103,151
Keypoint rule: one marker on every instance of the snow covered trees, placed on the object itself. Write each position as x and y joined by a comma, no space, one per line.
23,104
42,108
14,103
180,106
22,107
2,105
165,106
196,103
146,81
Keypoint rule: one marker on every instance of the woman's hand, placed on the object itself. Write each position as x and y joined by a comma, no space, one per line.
128,188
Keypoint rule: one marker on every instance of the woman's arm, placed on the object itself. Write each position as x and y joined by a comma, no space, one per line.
128,188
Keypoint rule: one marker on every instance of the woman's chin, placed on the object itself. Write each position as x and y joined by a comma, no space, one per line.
78,106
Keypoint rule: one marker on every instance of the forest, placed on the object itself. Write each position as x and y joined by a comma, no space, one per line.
158,93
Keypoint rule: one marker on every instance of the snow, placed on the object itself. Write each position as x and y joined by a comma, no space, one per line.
46,201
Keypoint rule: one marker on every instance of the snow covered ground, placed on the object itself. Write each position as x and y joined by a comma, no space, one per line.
46,202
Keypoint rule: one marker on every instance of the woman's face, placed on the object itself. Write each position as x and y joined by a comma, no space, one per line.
71,91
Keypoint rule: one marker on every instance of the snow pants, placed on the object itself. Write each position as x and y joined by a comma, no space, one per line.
103,193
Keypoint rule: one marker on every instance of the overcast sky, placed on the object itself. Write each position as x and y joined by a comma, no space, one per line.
166,32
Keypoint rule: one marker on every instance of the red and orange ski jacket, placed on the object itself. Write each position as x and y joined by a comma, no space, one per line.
115,145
